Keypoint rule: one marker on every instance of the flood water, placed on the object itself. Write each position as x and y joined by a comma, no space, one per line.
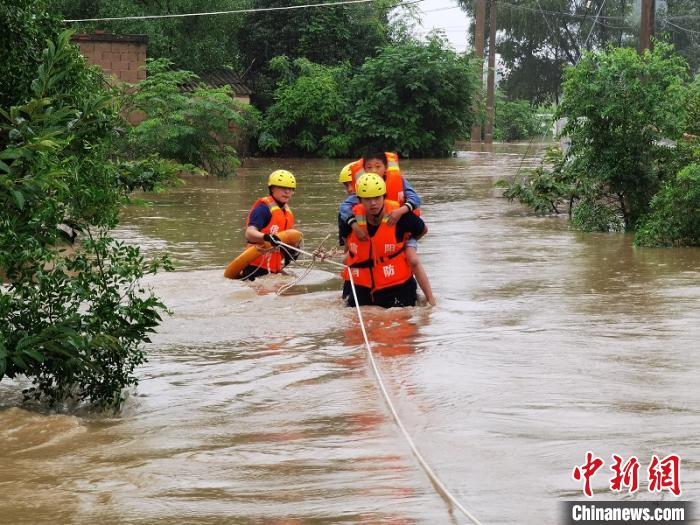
258,408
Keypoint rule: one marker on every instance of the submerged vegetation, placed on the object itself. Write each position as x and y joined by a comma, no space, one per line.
632,160
73,312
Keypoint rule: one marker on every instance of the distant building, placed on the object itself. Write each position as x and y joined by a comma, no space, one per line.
122,57
222,78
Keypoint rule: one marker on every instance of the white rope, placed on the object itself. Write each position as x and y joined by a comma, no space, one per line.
237,11
283,289
441,489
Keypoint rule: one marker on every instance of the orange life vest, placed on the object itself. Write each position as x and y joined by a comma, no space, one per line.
357,168
392,177
381,261
282,219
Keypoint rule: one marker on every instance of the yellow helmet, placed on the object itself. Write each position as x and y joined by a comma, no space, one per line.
370,185
282,178
345,174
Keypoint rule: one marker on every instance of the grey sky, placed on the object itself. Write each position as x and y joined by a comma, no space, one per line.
446,15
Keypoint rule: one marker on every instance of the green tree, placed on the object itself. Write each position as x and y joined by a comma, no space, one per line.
413,97
325,35
675,212
26,24
537,38
624,112
72,319
619,106
693,107
678,22
199,44
515,119
310,110
198,127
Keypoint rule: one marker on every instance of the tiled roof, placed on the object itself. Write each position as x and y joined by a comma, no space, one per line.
219,79
100,36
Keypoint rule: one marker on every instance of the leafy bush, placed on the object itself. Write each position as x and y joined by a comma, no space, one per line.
515,120
544,189
694,107
26,25
197,128
675,212
72,318
309,109
414,98
619,107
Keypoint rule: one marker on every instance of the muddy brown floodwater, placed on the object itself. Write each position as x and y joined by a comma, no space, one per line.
260,409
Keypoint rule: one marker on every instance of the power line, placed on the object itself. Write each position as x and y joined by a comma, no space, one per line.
237,11
691,31
593,24
560,13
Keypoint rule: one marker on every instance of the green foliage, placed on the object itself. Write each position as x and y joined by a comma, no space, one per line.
675,212
195,128
693,107
619,107
72,318
544,189
678,22
199,43
515,120
326,36
413,97
26,25
309,112
537,38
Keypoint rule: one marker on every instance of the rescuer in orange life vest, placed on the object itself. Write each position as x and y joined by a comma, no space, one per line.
269,216
379,266
386,165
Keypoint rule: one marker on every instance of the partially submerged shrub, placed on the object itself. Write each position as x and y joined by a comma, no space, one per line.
70,321
675,212
198,127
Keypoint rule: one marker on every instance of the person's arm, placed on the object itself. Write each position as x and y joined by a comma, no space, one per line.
259,218
341,237
348,217
412,202
411,224
346,208
412,198
343,231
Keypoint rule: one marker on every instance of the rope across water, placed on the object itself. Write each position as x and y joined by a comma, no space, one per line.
439,486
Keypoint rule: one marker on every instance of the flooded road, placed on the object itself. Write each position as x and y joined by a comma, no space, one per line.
260,409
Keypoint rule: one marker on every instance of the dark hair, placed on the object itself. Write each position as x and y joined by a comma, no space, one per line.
374,154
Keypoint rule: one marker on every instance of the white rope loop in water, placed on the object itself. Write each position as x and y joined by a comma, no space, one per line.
440,488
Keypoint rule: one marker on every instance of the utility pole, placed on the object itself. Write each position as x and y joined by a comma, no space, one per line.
646,24
480,14
491,77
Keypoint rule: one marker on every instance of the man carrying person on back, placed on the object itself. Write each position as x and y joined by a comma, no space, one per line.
386,165
378,262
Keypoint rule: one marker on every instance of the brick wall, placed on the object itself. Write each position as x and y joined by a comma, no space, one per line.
122,57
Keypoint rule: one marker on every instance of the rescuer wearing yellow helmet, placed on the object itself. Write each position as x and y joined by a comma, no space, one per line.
380,269
268,216
386,165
